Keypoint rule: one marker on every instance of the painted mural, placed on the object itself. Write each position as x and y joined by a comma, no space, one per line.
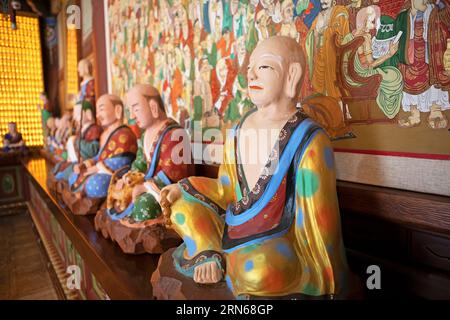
373,67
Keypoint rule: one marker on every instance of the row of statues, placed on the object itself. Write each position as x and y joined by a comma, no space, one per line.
266,229
59,132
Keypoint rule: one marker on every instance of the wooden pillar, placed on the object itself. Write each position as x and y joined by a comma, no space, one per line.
98,37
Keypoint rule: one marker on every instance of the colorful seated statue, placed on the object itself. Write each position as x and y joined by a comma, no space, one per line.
133,216
81,146
270,228
84,118
13,141
89,182
57,141
50,131
87,86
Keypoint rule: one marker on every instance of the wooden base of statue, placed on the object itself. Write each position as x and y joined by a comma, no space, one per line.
151,239
51,182
56,186
60,187
103,223
169,284
80,206
49,156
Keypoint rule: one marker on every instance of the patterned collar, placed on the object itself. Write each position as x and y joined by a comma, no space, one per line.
149,155
250,196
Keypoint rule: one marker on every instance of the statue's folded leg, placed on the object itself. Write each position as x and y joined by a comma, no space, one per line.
201,229
65,173
269,268
96,186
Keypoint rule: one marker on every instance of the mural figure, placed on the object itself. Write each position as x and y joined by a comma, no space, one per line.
332,19
421,55
195,53
288,27
390,91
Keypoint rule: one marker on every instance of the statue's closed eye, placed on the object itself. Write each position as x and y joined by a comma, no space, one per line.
265,67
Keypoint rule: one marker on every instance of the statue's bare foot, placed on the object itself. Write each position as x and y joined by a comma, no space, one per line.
207,273
437,120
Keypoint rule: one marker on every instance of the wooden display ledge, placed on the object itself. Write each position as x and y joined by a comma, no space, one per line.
121,276
412,224
47,155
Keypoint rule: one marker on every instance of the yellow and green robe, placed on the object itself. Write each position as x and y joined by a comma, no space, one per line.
280,239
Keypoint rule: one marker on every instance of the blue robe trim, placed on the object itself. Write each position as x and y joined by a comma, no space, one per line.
290,159
155,158
164,178
150,173
280,172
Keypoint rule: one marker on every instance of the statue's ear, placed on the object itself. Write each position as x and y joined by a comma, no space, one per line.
118,111
154,108
293,77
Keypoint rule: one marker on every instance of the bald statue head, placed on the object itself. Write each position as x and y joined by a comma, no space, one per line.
146,105
109,110
84,68
275,71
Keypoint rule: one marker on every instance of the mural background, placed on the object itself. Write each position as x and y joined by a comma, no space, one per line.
196,54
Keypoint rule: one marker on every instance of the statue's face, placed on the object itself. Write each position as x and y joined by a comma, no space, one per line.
12,127
419,5
106,115
326,4
83,69
140,109
266,74
80,70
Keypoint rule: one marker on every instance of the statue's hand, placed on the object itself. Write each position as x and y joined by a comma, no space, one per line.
138,190
88,163
119,185
169,195
91,170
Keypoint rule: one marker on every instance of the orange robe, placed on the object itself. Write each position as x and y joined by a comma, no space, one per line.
321,52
